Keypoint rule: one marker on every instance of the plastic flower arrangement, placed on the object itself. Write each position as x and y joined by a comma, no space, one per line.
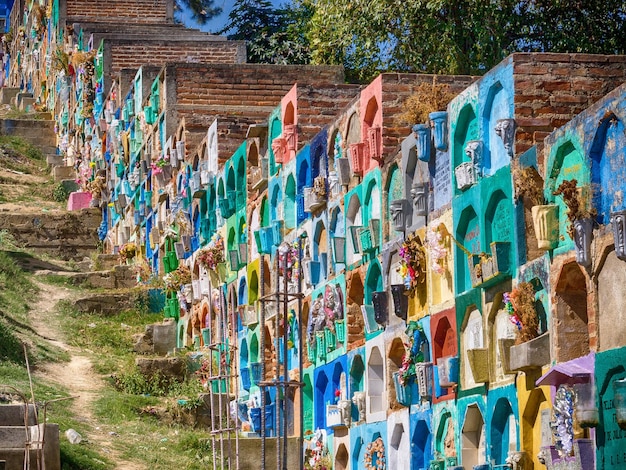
414,353
127,252
213,254
436,250
413,267
177,278
293,270
520,304
158,164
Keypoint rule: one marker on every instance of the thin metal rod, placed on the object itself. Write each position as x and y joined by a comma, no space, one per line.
301,329
262,346
278,401
285,358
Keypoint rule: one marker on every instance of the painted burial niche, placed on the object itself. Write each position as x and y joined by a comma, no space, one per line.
354,222
421,443
466,150
357,388
569,163
397,451
535,415
446,368
318,266
570,321
341,458
372,132
375,309
375,382
607,167
611,302
396,396
275,129
468,235
396,212
289,203
416,201
439,245
610,434
445,449
498,130
475,366
354,147
307,401
502,337
473,447
503,431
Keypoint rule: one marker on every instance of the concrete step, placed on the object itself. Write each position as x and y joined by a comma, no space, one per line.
13,415
60,173
19,97
14,456
28,104
55,160
7,94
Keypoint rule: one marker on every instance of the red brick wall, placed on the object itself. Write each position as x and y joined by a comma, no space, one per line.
134,11
135,54
244,94
550,89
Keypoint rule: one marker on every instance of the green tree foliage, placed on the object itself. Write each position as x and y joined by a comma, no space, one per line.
201,10
273,36
455,36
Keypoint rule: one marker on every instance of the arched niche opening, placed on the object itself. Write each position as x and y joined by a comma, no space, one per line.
373,281
353,134
254,349
242,292
398,442
571,331
530,421
269,356
290,202
321,384
444,440
334,148
320,249
356,382
304,175
253,292
307,401
276,198
394,362
441,284
253,154
275,130
240,182
339,381
373,201
503,431
466,130
212,148
473,438
289,115
375,381
267,277
497,107
354,220
421,443
499,220
468,234
471,340
394,189
265,212
607,170
341,457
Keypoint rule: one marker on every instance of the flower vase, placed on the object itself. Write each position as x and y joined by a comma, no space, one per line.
403,392
340,330
422,134
546,225
440,129
583,233
618,221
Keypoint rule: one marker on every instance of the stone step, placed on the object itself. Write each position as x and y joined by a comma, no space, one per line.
13,415
8,94
60,173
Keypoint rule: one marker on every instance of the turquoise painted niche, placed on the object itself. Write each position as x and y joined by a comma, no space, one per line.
566,163
465,130
468,235
275,129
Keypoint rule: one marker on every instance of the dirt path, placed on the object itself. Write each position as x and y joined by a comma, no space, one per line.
77,376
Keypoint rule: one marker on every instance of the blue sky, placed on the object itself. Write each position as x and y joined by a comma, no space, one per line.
220,21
